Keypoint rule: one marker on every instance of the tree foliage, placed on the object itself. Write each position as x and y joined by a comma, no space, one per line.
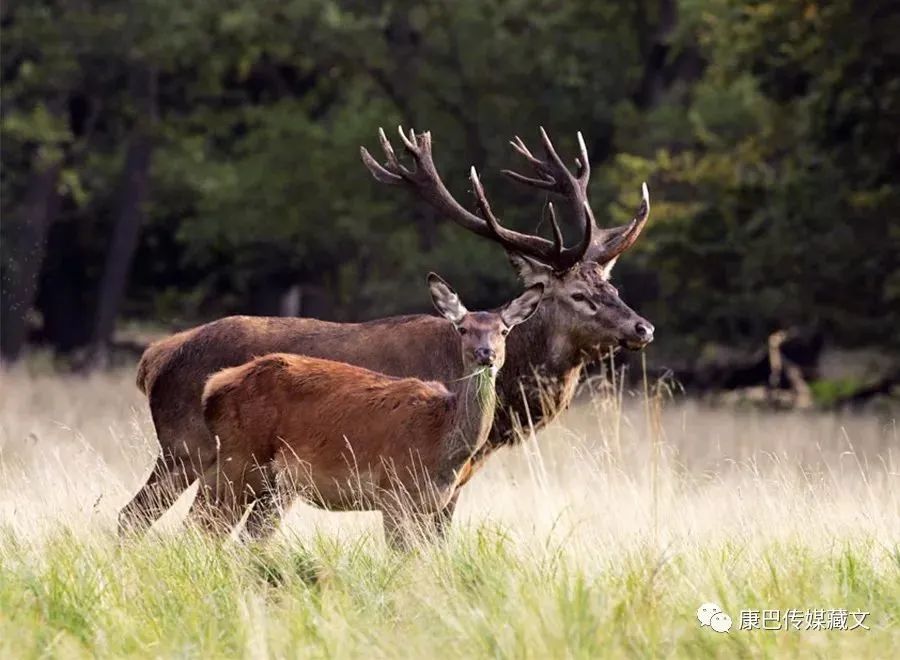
768,132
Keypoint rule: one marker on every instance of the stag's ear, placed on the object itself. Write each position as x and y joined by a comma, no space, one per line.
530,270
445,299
521,308
606,269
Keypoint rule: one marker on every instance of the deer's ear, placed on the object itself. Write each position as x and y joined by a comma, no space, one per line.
606,269
530,271
445,299
519,309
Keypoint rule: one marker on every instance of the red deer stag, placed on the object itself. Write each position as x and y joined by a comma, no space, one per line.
347,438
581,316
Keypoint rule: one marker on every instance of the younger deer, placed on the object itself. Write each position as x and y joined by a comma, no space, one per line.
347,438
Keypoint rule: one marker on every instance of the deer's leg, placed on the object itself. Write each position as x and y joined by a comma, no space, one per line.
265,515
405,526
166,482
226,491
186,449
439,523
399,529
217,507
222,496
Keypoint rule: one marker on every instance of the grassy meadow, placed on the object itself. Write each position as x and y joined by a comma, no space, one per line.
600,537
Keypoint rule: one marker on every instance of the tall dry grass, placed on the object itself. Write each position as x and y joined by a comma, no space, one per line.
600,536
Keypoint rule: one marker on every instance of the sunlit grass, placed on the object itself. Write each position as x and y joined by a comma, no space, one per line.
599,538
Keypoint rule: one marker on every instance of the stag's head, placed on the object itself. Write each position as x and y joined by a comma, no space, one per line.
482,334
586,305
585,309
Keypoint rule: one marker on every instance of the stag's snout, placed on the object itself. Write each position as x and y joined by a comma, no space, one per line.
641,335
644,331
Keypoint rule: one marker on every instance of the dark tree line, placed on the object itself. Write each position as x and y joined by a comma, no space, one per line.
171,162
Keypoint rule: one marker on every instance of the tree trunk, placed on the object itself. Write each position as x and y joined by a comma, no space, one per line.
135,184
656,51
38,210
61,290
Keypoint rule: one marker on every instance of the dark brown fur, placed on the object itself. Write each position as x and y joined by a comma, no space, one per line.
156,357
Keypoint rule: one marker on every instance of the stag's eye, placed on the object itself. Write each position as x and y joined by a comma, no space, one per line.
581,298
504,332
461,331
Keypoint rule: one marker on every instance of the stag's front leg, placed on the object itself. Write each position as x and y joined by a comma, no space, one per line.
265,515
439,523
398,531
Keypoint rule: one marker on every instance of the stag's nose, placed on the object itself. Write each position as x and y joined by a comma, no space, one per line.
643,331
485,356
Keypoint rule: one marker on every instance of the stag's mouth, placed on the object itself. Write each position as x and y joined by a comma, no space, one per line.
633,344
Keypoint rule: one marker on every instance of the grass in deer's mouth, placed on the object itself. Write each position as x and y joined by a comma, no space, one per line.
563,548
485,382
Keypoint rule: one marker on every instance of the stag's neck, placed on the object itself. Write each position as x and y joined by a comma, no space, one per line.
476,400
540,376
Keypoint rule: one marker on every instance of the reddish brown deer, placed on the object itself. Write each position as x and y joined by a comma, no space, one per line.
581,316
344,437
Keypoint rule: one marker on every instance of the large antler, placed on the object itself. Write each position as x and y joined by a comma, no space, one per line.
424,180
553,176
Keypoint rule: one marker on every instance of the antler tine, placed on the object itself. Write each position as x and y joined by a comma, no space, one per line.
393,172
545,182
528,181
388,149
481,202
584,163
557,232
519,146
506,236
571,256
410,142
551,150
615,241
380,173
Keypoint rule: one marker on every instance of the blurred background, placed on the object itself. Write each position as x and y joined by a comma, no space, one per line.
168,162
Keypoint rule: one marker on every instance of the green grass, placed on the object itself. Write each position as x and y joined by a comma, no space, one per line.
483,595
599,538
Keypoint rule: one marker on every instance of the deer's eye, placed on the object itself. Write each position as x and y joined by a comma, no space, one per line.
581,298
504,332
461,330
